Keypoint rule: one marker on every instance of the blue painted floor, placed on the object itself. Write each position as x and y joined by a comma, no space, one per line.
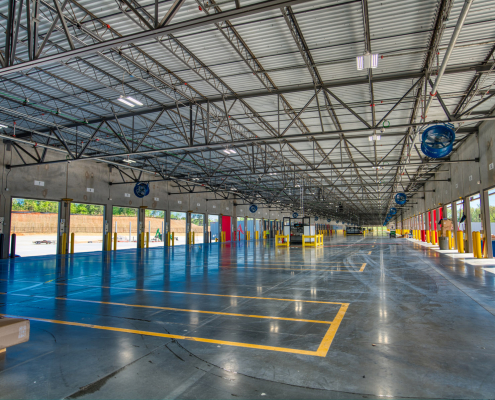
359,317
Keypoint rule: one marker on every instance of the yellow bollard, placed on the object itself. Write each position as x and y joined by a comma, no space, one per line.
477,238
475,251
460,241
248,234
427,236
72,243
173,239
115,241
256,235
194,237
109,242
451,241
147,240
63,239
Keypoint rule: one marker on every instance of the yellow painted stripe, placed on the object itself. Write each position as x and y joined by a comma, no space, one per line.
166,335
362,267
175,309
369,253
330,335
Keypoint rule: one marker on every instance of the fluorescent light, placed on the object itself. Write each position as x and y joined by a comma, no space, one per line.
3,126
233,151
134,100
374,60
122,100
226,151
374,137
367,61
128,160
360,63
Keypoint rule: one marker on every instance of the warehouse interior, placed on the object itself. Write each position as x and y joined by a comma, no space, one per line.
287,199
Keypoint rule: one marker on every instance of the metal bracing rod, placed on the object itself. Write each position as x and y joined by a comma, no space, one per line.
476,105
348,108
167,18
300,112
397,103
440,100
64,24
138,37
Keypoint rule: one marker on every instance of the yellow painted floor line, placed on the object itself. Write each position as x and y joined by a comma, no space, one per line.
176,309
198,294
328,337
369,253
362,267
322,350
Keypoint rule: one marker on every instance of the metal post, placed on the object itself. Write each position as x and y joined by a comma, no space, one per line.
12,246
467,212
455,224
487,228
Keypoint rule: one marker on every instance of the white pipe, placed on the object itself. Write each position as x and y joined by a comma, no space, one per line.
448,53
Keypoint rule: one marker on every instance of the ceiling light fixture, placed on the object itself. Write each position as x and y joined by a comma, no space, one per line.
132,99
374,137
3,126
367,61
126,102
128,160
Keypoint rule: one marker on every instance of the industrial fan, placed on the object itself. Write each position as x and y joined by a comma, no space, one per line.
437,141
142,189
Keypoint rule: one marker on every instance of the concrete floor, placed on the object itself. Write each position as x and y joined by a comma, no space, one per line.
359,318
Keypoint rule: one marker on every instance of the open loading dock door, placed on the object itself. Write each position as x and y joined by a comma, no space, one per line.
86,223
154,225
125,221
35,223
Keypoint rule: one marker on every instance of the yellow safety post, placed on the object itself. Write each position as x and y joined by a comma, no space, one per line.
460,241
427,236
173,239
141,241
72,243
62,251
109,242
364,233
478,245
248,235
475,244
167,239
115,241
194,237
147,240
256,235
286,243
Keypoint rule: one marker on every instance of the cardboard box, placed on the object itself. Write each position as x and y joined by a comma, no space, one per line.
13,331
